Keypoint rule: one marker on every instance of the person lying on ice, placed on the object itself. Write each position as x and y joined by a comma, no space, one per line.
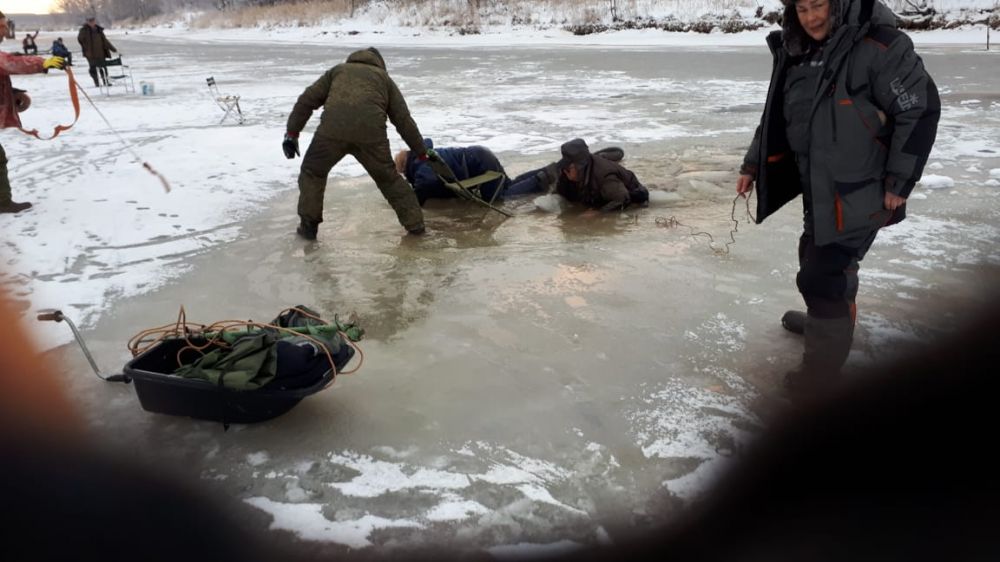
595,180
465,162
470,161
357,97
12,102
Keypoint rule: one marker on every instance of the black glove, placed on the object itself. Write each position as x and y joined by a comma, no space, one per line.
291,145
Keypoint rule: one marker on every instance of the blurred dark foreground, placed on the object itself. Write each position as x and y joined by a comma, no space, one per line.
895,467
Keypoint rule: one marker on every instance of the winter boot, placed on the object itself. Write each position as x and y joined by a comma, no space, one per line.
794,321
12,207
613,153
828,342
307,229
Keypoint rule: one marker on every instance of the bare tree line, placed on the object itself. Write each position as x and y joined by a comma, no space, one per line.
116,10
137,10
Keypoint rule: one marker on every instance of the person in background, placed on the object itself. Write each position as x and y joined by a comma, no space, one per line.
12,101
357,96
849,121
96,49
59,50
28,43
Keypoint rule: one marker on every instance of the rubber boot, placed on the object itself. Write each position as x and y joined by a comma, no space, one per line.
307,229
794,321
828,342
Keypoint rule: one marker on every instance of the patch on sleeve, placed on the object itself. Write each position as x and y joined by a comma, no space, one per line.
904,98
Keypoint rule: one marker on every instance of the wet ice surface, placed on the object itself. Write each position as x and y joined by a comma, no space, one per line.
531,384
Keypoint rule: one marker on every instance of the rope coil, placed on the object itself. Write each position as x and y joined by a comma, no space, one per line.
672,222
213,336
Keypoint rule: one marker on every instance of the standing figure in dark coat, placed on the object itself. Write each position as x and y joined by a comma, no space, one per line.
96,49
849,122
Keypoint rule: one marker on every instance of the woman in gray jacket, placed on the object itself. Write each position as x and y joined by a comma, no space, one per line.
849,122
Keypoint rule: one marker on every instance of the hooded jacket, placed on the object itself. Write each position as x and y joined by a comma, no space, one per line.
604,184
357,97
871,123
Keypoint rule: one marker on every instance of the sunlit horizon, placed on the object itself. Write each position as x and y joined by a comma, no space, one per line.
27,6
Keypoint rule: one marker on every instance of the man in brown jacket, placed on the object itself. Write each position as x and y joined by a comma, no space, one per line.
96,49
598,183
357,97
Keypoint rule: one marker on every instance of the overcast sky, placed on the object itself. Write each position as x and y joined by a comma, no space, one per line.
26,6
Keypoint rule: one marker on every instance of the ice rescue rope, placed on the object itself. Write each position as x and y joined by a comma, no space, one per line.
212,335
75,98
128,147
76,111
672,222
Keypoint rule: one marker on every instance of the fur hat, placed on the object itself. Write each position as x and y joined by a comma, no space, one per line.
574,152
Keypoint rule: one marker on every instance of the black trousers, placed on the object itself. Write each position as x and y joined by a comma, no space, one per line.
96,67
828,276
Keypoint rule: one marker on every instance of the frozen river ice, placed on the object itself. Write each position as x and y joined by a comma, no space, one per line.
549,379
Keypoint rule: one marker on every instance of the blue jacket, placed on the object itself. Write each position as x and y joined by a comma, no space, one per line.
59,50
465,162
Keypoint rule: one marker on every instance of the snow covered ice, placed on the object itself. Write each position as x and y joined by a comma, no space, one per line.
529,383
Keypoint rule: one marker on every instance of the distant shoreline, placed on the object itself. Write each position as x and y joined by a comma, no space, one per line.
521,37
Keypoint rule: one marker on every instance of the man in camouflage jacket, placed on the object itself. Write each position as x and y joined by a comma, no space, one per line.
357,97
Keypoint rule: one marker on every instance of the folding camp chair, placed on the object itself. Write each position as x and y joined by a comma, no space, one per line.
469,189
117,73
225,101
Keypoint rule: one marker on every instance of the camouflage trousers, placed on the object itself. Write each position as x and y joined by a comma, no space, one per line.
324,153
5,196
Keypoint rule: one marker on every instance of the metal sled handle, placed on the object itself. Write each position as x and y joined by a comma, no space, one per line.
55,315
